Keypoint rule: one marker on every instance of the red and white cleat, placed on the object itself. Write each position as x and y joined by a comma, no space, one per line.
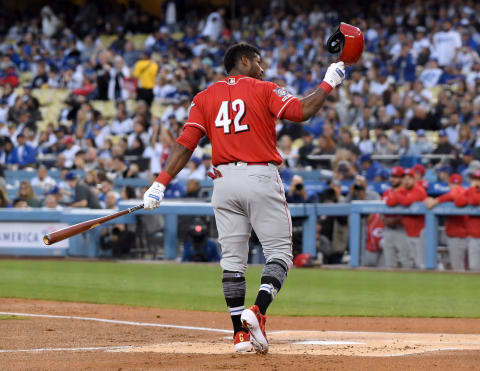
242,343
255,322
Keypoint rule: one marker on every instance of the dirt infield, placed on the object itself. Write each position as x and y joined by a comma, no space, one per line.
52,335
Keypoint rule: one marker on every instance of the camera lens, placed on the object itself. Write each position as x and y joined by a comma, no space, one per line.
299,186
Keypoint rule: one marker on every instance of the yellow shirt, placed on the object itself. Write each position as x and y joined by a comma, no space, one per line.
145,70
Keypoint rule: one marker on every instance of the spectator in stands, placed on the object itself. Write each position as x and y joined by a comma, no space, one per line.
444,147
82,194
4,202
422,145
43,180
25,191
106,188
455,225
111,200
369,167
128,193
121,124
365,144
118,73
71,148
22,154
200,248
287,152
41,78
443,173
145,71
414,225
193,188
19,203
445,44
51,203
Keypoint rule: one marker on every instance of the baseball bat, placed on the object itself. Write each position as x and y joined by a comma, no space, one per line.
75,229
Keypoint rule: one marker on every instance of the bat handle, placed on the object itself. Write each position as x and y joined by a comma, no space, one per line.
135,208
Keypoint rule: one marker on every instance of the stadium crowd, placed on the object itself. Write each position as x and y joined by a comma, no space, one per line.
413,99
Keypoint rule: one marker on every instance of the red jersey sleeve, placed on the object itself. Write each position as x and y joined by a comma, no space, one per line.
278,99
196,118
447,197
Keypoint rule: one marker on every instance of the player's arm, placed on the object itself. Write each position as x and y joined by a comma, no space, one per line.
182,150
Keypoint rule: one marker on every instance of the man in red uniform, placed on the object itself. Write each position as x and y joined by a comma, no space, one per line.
472,197
238,114
420,171
414,225
393,238
455,225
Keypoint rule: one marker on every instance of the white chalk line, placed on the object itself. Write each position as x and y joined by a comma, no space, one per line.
148,324
63,349
132,323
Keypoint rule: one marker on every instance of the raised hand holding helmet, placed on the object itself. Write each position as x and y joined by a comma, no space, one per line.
335,74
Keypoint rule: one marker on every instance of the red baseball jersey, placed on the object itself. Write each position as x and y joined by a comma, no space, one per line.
238,114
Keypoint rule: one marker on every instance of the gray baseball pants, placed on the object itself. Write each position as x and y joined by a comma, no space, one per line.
245,197
474,254
457,251
417,250
395,249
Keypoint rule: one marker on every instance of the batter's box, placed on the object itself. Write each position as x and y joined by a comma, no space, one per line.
370,344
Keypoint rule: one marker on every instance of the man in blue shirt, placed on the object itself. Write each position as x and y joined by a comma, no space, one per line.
22,154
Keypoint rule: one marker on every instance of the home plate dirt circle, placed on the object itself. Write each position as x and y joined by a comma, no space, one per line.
348,343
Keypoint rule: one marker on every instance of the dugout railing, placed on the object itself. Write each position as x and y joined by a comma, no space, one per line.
87,243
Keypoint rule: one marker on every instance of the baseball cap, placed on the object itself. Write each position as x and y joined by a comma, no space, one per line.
71,175
475,174
442,133
419,168
420,133
397,171
68,140
196,160
365,157
455,179
409,172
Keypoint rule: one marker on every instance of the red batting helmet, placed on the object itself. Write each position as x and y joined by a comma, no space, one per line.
303,260
348,41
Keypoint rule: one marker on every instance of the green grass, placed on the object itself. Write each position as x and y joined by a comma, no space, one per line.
198,287
4,317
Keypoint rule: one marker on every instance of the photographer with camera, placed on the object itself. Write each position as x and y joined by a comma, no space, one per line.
200,248
297,193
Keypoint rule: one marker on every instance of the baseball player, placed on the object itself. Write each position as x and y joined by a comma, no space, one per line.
472,197
238,115
414,225
455,225
394,236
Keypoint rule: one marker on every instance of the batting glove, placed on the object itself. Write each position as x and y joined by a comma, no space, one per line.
335,74
153,196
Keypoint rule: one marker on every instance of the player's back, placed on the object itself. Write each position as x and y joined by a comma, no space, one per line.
239,117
